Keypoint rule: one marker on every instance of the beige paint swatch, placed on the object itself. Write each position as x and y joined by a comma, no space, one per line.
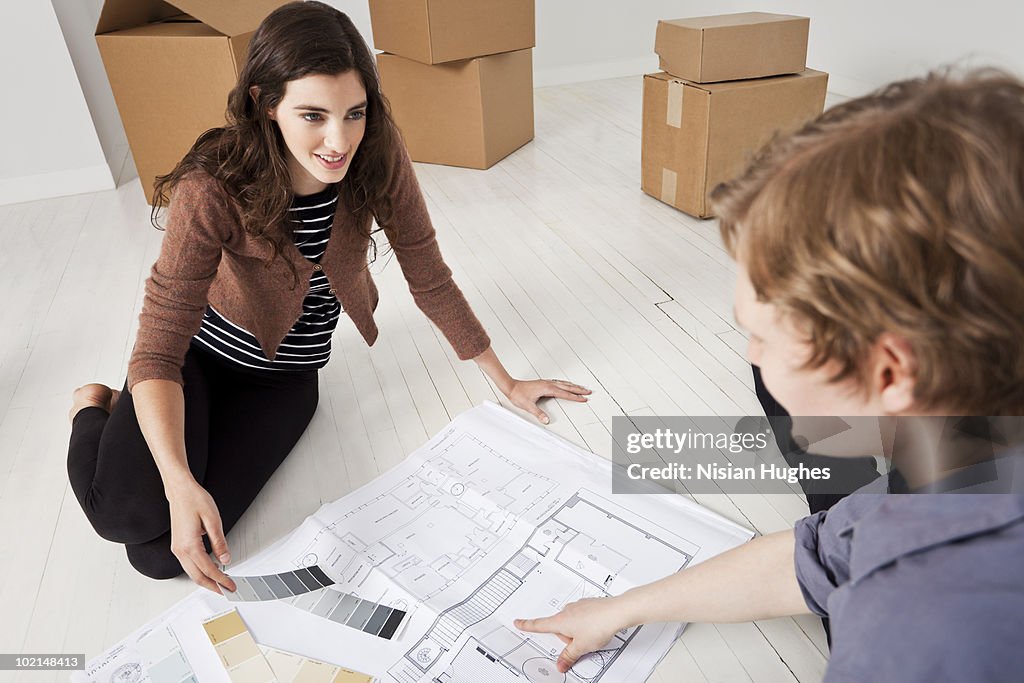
224,627
247,662
292,668
237,650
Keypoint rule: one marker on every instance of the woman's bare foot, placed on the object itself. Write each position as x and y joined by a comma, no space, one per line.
93,395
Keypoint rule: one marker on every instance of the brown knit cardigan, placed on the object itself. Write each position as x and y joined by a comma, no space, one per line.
207,257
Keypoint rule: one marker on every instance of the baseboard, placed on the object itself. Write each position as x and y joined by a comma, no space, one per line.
579,73
55,184
849,87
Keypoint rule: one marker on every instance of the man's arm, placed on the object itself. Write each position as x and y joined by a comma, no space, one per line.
754,581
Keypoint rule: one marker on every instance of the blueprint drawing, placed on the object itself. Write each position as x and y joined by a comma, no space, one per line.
491,520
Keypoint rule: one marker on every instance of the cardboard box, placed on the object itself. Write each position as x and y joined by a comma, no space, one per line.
730,47
437,31
470,113
171,65
696,136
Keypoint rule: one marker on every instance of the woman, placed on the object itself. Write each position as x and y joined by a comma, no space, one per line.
267,239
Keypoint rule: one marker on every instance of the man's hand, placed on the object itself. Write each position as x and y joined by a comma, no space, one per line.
584,626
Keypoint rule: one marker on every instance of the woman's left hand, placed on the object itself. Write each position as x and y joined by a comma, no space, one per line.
525,394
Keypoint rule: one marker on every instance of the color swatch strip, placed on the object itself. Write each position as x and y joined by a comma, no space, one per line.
278,586
237,650
163,657
346,609
247,662
292,668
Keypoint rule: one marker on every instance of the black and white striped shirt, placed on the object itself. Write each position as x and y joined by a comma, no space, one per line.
307,346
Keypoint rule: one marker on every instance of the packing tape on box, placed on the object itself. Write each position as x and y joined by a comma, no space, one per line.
674,115
668,186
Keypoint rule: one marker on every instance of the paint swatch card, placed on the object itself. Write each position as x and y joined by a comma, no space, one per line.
163,658
346,609
237,650
247,662
293,668
278,586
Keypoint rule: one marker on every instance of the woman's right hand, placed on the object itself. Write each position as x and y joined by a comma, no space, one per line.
193,515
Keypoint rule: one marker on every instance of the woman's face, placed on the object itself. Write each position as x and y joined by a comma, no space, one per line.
322,120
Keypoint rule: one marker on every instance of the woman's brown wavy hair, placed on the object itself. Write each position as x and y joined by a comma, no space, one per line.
248,155
902,212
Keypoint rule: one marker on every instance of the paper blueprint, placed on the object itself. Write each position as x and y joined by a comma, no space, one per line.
491,520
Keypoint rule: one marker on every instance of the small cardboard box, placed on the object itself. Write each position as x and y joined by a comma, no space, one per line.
730,47
171,65
696,136
470,113
437,31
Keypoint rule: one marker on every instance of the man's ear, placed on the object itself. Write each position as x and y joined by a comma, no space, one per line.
893,373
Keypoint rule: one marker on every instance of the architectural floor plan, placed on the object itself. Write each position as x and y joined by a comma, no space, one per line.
491,520
563,560
429,529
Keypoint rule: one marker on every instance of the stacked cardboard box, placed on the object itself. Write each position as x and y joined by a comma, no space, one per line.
730,83
171,66
459,76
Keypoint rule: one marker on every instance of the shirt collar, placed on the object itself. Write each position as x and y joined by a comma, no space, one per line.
903,524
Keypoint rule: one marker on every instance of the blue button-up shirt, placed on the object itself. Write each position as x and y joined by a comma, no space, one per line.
920,587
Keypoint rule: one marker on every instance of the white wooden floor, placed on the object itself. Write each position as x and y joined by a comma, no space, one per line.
574,272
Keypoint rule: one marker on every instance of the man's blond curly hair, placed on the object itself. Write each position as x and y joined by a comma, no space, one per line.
902,212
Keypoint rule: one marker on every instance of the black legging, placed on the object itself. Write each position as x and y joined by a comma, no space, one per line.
240,424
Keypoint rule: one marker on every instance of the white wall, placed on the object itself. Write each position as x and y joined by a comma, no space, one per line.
862,44
580,40
359,12
48,139
868,43
77,21
52,146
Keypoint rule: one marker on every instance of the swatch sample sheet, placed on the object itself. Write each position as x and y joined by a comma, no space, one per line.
491,520
292,668
349,610
237,650
247,662
278,586
171,648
